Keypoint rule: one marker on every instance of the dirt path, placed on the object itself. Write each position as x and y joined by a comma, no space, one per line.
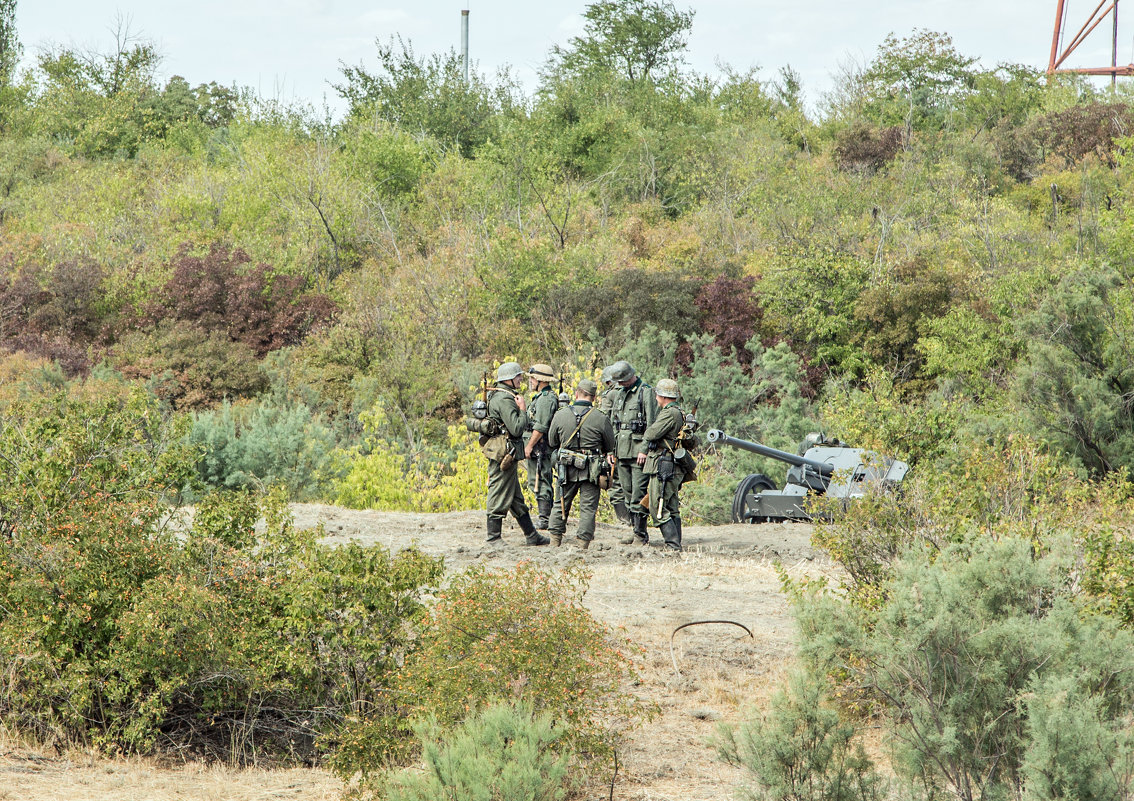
726,572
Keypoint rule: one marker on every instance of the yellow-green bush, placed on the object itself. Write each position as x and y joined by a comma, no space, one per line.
388,479
521,635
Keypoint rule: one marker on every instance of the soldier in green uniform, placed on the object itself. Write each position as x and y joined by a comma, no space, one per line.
633,409
655,457
507,408
609,390
541,409
584,440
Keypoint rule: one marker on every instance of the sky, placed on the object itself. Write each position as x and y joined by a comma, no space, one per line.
291,50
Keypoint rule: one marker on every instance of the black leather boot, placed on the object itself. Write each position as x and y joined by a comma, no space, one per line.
544,514
623,514
671,532
495,526
531,536
639,537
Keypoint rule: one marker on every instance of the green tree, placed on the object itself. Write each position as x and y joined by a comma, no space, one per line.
9,42
801,750
636,39
917,81
428,95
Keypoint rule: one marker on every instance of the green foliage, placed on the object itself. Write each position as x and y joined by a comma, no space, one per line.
10,47
521,634
428,95
96,437
960,652
1108,550
229,640
188,367
271,440
502,753
1075,381
1010,486
99,104
877,416
811,298
1078,747
638,40
918,81
801,751
382,475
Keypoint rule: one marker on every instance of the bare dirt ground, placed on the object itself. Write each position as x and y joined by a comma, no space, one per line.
714,673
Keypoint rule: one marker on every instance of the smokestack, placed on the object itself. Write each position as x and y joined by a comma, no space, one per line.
465,42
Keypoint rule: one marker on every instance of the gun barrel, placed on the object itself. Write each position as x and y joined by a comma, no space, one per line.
716,435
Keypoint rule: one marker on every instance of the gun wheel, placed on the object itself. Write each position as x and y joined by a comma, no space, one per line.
745,503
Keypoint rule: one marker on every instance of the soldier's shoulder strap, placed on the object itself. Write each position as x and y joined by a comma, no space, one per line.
581,418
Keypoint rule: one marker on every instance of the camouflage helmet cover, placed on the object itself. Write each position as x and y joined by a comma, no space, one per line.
622,371
666,388
508,371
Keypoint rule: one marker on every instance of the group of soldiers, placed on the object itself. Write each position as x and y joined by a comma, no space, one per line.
629,443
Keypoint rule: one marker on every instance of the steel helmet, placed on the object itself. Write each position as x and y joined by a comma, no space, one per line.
607,376
508,371
622,371
542,372
666,388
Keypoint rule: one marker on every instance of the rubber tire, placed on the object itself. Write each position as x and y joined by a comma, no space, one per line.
752,484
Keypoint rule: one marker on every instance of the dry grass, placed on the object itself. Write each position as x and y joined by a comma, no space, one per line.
31,773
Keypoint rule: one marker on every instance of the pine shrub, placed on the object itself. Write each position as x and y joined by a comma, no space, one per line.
503,753
801,750
991,676
268,441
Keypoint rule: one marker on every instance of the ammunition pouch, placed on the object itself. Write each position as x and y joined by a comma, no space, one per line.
573,459
637,426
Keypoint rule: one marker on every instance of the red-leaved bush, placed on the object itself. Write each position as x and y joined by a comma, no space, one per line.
220,292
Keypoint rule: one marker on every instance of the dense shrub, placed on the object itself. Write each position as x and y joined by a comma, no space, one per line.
627,299
230,641
731,314
53,313
187,366
382,475
967,658
1074,382
892,316
521,635
863,148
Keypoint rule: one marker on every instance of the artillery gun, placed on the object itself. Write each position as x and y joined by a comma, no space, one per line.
827,467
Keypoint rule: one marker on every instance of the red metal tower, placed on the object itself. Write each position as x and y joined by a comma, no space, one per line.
1061,49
